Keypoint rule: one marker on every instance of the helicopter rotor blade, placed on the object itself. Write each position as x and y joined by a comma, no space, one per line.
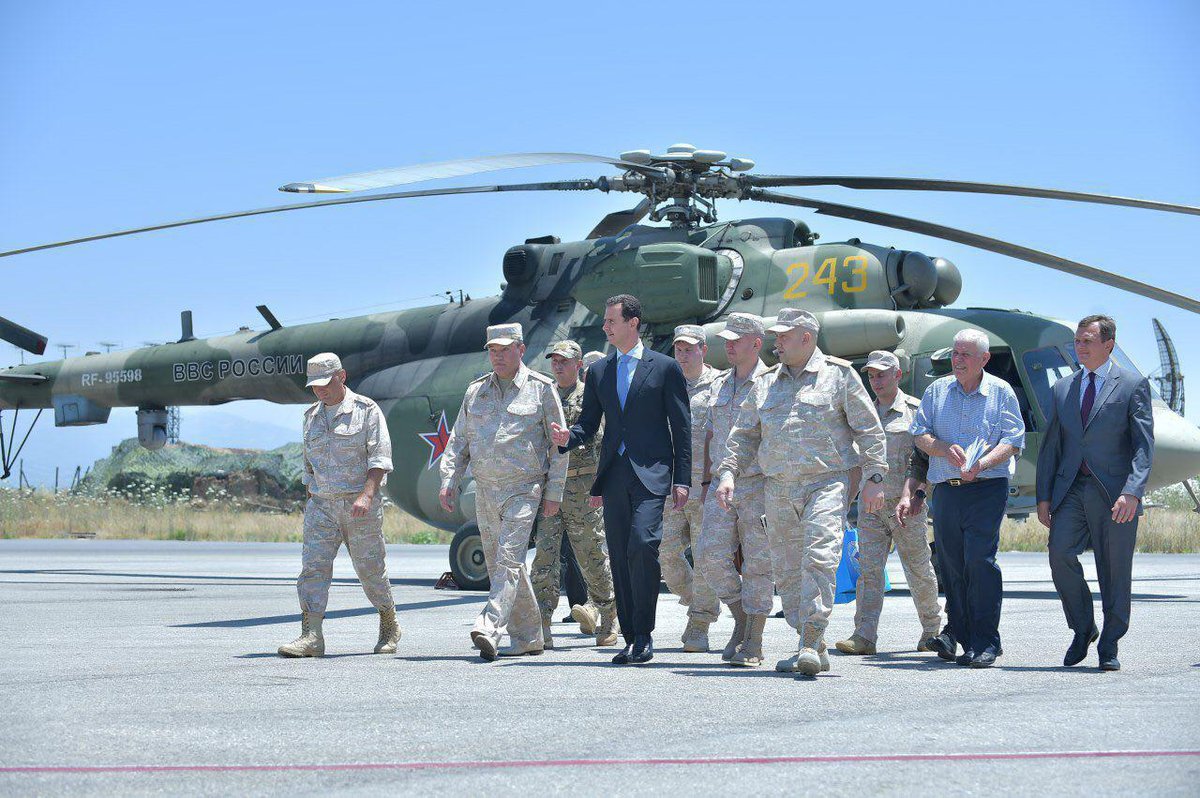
561,185
385,178
981,242
924,184
617,221
22,337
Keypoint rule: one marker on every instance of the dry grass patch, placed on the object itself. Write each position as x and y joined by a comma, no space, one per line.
44,515
1160,531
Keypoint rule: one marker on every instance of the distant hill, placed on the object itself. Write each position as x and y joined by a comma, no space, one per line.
180,465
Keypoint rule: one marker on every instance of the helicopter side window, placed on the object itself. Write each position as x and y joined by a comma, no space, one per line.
1045,367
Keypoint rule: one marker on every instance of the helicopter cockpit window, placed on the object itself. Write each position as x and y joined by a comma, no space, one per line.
1045,367
1003,365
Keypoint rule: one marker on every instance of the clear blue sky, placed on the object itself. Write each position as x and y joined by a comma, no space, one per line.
126,113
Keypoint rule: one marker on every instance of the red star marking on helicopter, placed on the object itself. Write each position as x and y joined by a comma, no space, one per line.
437,440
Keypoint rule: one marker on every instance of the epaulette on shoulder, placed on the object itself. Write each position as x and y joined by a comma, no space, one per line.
838,361
912,401
364,400
478,380
311,409
540,377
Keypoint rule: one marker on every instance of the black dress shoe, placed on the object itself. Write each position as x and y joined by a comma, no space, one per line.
944,645
965,658
1110,663
622,657
1079,647
643,650
985,659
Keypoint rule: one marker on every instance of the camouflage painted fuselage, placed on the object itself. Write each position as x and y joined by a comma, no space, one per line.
417,363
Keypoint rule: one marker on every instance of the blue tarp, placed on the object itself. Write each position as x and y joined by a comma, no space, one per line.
847,572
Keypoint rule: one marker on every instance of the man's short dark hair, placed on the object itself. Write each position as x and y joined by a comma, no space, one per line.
1108,327
631,306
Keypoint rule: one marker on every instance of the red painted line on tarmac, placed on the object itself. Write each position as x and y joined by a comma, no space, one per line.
550,763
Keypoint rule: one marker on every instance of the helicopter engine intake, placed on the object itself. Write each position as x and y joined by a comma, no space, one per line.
674,280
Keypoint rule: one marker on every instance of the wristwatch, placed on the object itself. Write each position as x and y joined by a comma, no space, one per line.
876,478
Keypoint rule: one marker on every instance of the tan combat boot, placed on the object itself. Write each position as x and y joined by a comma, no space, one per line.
606,628
389,631
739,630
547,638
812,658
750,654
587,616
532,648
310,643
926,636
485,643
695,636
857,644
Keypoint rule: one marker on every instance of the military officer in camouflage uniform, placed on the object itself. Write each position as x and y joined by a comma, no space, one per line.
750,594
878,532
581,523
347,456
681,528
503,431
803,419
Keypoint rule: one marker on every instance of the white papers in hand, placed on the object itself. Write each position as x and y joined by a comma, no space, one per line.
974,452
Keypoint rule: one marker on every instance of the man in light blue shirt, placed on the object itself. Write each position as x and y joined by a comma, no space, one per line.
970,425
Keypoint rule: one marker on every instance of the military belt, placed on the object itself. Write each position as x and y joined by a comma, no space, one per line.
581,471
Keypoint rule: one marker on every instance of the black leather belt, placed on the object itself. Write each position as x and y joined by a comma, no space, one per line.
954,483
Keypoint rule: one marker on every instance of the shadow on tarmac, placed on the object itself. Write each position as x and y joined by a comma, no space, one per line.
268,620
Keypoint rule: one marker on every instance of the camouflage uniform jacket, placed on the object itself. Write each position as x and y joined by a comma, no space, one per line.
506,439
585,458
805,425
724,401
897,418
343,444
698,395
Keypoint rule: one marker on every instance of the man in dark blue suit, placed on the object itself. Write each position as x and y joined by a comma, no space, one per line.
1092,470
646,455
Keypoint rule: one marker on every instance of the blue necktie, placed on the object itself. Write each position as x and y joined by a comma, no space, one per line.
624,378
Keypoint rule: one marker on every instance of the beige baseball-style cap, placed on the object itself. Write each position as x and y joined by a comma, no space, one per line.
321,368
504,334
881,359
791,318
592,357
568,349
739,324
691,333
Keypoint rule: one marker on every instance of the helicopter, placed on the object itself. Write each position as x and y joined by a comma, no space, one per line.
686,267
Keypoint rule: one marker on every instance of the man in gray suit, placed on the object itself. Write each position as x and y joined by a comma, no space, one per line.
1092,471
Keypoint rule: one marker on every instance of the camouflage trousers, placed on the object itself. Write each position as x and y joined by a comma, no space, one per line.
723,533
681,530
328,524
584,529
505,515
805,524
877,533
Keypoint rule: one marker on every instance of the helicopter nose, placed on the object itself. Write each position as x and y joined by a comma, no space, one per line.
1176,448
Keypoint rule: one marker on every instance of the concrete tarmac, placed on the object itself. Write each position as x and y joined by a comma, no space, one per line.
150,667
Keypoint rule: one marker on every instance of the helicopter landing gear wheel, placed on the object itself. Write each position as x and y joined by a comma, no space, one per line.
467,562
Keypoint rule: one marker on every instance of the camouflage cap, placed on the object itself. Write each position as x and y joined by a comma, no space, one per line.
739,324
321,368
692,333
568,349
883,360
791,318
504,334
592,357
